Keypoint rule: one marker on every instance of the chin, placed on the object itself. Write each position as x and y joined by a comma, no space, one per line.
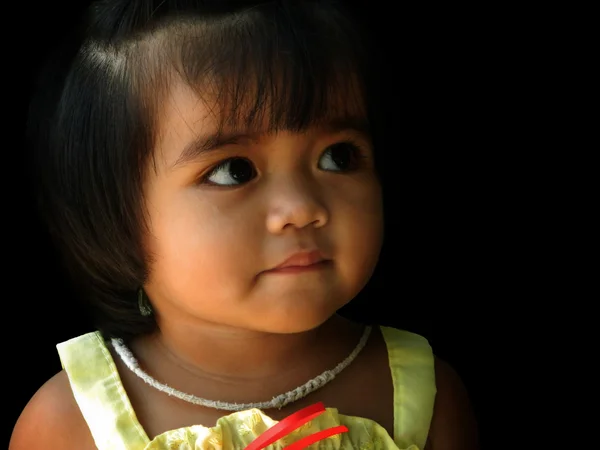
298,321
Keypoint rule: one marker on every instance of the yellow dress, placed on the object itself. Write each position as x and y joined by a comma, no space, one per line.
112,421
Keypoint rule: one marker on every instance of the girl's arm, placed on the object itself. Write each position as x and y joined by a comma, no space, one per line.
52,420
453,426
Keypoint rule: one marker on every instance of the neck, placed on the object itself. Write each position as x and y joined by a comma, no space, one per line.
233,355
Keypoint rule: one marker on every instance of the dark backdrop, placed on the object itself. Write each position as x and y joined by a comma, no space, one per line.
441,274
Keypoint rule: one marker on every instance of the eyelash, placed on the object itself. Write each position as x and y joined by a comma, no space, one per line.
359,154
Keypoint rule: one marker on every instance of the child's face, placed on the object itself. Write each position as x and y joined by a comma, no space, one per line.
217,231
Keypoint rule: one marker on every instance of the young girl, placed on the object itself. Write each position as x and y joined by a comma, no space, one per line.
208,170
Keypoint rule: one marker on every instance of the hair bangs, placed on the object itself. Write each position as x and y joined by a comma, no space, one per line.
271,68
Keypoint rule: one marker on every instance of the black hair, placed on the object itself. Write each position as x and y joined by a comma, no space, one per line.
92,125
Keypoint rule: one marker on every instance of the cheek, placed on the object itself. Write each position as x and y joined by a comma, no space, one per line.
362,206
197,245
359,232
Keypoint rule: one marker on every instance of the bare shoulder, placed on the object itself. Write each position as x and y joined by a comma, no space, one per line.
453,426
52,420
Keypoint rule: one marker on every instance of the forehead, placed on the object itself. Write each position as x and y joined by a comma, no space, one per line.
185,114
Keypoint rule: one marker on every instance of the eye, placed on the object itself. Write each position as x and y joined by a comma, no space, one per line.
231,172
340,157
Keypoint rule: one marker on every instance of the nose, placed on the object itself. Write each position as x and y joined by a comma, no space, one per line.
295,203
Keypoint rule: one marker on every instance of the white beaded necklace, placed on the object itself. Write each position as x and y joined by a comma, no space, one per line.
277,402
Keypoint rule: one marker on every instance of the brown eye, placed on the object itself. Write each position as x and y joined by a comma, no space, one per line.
340,157
231,172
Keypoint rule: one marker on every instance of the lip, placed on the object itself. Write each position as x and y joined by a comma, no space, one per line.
301,262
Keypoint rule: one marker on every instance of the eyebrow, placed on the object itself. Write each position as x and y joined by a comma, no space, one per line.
208,143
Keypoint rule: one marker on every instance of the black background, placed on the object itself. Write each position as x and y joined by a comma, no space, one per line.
448,270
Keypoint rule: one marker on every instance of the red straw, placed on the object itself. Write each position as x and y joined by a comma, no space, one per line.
320,435
286,426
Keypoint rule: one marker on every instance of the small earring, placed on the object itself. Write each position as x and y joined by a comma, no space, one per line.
144,304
